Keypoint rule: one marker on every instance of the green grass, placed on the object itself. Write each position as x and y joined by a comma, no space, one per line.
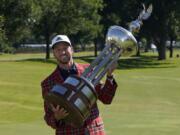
146,103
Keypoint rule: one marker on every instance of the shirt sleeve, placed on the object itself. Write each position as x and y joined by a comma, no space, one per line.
106,91
49,115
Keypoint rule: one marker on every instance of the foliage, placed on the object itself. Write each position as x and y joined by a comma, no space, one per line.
4,46
15,14
78,19
164,19
85,21
2,36
160,25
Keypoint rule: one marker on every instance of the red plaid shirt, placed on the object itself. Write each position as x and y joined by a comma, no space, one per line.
93,124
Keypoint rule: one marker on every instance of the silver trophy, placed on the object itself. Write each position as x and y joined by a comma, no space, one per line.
77,94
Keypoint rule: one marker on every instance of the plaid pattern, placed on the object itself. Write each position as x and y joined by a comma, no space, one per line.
94,123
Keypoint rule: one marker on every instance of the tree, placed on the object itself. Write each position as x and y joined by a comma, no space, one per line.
2,35
120,12
15,13
173,29
90,30
4,46
158,26
66,17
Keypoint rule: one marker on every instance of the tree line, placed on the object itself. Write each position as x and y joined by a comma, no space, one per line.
85,21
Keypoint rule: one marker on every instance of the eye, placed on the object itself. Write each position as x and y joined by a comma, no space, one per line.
65,48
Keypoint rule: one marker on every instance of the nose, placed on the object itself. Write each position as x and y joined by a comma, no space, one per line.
63,51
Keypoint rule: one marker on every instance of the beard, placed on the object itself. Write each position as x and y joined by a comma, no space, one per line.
64,59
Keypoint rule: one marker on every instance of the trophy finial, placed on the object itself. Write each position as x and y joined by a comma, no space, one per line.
144,15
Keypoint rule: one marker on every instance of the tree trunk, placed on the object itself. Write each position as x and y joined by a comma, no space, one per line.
162,51
148,44
95,47
47,37
171,48
83,47
138,50
47,48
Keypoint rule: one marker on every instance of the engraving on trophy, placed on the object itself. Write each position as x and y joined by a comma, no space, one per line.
59,89
89,94
72,81
81,106
69,97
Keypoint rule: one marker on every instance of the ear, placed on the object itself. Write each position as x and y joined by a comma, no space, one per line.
53,52
72,49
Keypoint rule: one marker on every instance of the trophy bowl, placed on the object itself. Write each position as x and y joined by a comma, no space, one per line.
77,94
123,39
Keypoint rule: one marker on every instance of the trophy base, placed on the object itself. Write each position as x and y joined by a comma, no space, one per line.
76,95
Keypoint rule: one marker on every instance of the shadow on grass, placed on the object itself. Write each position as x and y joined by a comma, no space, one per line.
143,62
123,63
136,62
40,60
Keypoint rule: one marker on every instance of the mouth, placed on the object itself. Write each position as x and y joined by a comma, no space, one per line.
64,57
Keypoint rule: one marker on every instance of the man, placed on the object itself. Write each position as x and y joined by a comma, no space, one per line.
93,125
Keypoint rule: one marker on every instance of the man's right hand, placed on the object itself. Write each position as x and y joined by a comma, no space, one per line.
59,113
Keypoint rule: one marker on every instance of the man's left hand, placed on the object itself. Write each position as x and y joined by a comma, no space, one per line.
111,69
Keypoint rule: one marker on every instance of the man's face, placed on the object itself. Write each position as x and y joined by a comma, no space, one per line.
63,53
